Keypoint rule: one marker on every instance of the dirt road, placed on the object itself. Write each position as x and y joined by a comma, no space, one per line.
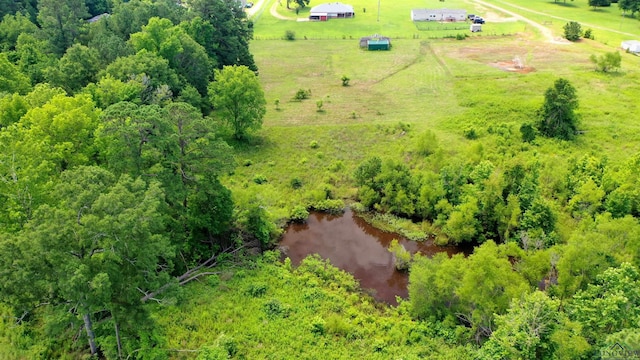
547,33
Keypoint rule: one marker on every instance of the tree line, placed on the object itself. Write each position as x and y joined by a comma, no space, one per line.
110,162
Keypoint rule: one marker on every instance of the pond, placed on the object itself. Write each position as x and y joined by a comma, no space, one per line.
353,245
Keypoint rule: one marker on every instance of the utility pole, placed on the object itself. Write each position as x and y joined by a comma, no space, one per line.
378,10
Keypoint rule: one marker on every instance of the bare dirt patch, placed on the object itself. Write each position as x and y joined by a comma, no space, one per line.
513,66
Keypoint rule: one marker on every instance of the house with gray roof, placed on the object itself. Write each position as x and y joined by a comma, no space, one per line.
324,12
438,15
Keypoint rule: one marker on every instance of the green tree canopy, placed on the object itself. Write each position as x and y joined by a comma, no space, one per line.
557,117
238,98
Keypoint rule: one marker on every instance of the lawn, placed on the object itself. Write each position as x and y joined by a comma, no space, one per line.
608,24
394,20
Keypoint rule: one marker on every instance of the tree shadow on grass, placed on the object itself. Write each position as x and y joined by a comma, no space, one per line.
563,4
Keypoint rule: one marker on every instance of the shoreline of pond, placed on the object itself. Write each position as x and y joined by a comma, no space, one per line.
354,245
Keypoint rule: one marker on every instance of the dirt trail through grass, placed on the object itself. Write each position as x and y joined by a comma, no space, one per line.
548,34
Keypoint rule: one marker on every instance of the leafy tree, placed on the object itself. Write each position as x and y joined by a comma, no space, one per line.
572,30
472,289
629,5
94,248
232,31
11,79
11,7
607,62
77,68
531,329
556,116
616,293
184,54
109,91
11,27
60,21
107,43
599,3
12,108
237,96
462,225
32,58
149,69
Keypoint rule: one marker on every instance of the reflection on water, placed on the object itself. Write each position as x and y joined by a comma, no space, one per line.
353,245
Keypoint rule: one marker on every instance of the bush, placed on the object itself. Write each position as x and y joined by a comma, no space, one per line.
461,36
427,143
528,132
401,256
247,162
607,62
470,133
260,179
313,144
289,35
317,326
588,34
256,290
296,183
299,214
319,105
302,94
274,309
330,206
572,31
345,80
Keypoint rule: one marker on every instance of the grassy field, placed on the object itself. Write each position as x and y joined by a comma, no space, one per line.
608,24
442,85
394,20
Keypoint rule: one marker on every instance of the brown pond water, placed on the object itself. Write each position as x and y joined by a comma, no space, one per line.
353,245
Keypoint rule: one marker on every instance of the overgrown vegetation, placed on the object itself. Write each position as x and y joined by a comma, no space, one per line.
125,175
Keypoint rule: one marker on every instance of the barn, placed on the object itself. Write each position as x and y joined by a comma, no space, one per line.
324,12
375,42
438,15
632,46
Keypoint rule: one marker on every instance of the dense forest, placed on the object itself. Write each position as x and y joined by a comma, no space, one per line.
117,127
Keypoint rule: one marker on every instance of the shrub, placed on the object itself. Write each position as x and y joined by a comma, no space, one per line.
302,94
289,35
247,162
317,326
260,179
528,132
274,309
588,34
607,62
296,183
345,80
330,206
319,105
427,143
256,290
572,31
337,166
313,144
276,102
401,256
299,214
461,36
470,133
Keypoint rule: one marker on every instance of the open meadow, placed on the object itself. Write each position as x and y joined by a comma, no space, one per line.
443,85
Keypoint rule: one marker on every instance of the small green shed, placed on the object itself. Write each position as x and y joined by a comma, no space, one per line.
378,44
